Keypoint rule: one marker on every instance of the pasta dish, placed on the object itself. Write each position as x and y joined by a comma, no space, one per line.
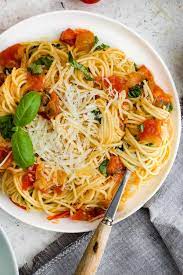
74,114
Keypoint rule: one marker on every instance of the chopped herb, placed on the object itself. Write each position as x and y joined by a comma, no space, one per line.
135,91
136,67
7,126
45,61
7,71
169,107
35,68
96,40
103,167
141,128
80,67
102,47
149,144
97,115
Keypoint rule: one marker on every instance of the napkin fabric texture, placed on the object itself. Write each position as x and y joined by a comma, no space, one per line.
148,242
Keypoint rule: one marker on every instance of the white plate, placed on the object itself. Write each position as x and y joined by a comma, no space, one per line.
8,264
49,26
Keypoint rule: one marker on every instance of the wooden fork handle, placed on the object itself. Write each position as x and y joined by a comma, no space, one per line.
94,251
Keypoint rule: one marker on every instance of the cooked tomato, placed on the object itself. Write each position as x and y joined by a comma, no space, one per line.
11,57
57,189
118,83
87,215
115,165
35,82
118,177
151,131
160,97
2,78
3,154
64,214
84,40
29,178
68,36
90,1
53,107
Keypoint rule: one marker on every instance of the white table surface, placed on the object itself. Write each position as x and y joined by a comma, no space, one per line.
158,21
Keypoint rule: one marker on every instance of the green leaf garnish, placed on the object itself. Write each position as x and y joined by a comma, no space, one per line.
27,108
135,91
35,68
6,126
169,107
80,67
96,40
103,167
22,149
102,47
45,61
97,115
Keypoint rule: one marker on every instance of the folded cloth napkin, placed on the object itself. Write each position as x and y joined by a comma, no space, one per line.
148,242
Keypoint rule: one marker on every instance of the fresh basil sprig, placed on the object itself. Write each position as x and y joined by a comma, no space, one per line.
22,149
10,127
7,126
135,91
27,108
80,67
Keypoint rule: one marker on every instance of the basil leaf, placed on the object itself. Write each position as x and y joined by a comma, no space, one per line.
96,40
135,91
22,149
102,47
45,61
79,67
35,68
103,167
6,126
141,128
97,115
169,107
27,108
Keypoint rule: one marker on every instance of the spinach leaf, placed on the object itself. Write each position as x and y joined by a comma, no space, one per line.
135,91
22,149
45,61
103,167
169,107
6,126
35,68
80,67
97,115
27,108
102,47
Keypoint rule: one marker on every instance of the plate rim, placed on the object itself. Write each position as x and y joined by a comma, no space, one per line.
165,67
11,250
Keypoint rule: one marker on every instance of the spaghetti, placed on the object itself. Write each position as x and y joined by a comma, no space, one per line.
99,113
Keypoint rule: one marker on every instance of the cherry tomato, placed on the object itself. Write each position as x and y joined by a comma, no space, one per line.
118,83
90,1
115,165
35,82
11,56
151,131
68,36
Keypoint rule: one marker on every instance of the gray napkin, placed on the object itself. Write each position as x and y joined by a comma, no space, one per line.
148,242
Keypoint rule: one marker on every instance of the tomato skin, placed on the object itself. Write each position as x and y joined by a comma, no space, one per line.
11,56
64,214
151,131
84,40
29,178
87,215
35,82
115,165
68,36
90,1
118,83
